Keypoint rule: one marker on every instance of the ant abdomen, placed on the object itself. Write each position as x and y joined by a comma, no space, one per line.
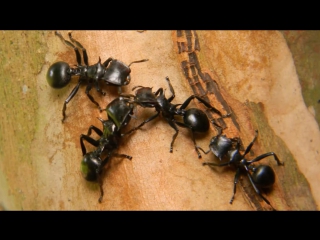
58,75
263,176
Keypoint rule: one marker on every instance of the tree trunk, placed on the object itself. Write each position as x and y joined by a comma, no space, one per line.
260,76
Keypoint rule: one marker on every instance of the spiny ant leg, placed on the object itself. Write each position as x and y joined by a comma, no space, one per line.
70,45
89,140
171,90
267,155
236,179
84,51
71,95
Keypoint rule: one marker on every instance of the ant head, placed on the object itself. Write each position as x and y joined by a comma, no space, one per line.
58,75
91,167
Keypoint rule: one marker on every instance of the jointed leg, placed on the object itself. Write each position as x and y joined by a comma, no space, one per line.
84,51
139,61
236,179
250,145
89,140
90,97
192,136
141,124
94,128
173,125
255,187
186,103
171,90
267,155
105,64
71,95
70,45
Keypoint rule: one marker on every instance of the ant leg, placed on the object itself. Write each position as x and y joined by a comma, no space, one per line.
120,155
139,86
159,91
101,189
192,136
215,164
84,51
105,64
71,95
186,103
141,124
267,155
236,179
250,145
205,152
139,61
70,45
127,96
219,133
90,97
98,88
255,187
217,127
89,140
94,128
173,125
171,90
119,90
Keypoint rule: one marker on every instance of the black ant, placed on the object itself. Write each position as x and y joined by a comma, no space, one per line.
261,176
193,118
119,114
112,72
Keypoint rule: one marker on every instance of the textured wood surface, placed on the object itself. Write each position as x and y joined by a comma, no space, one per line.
251,72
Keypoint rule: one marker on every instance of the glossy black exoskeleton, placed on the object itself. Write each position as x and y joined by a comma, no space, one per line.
220,145
261,176
193,118
112,72
119,114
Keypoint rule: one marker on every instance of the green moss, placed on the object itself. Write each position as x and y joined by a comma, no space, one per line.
21,59
22,55
305,49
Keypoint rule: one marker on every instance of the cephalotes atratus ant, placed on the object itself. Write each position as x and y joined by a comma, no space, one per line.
112,72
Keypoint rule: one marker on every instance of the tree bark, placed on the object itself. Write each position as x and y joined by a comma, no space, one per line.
251,73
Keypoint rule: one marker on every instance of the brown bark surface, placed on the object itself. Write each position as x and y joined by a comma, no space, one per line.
251,73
